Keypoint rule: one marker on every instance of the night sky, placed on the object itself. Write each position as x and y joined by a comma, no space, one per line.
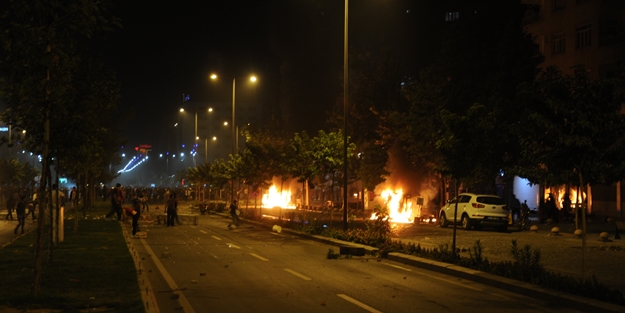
167,49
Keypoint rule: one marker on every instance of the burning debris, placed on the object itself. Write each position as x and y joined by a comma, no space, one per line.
400,206
273,199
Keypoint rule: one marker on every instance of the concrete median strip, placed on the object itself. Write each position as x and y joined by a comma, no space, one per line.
523,288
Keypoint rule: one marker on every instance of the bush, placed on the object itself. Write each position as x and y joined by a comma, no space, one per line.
526,266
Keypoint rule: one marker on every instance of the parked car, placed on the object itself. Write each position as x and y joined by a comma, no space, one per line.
475,210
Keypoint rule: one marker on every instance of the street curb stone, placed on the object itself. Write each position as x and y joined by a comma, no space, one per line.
526,289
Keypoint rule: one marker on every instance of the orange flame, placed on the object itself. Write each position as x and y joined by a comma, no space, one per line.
273,199
399,208
559,193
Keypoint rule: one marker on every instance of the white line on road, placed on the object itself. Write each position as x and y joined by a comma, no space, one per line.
216,237
297,274
186,306
358,303
399,267
232,246
201,231
258,256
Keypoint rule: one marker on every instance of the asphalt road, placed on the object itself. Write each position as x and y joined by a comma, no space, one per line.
209,268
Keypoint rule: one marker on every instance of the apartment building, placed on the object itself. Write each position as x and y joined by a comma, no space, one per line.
588,33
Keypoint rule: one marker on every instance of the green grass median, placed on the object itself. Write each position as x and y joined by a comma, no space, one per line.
91,269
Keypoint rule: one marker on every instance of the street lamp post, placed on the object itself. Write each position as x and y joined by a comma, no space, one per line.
345,81
235,143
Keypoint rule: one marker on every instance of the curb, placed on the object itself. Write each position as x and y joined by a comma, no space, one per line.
523,288
147,293
526,289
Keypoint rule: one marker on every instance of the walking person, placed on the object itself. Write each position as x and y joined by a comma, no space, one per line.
233,212
20,210
171,210
117,199
10,207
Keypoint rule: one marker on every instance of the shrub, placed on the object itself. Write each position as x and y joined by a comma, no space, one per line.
526,266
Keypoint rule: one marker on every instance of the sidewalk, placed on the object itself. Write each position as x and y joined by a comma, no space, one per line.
7,227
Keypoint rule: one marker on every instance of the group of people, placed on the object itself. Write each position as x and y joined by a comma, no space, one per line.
23,207
117,201
138,205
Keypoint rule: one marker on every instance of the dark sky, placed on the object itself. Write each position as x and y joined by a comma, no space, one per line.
167,49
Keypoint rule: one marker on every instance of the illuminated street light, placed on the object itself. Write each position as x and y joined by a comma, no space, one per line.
235,141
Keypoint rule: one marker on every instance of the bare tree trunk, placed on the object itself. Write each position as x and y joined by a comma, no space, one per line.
581,181
51,217
36,286
75,202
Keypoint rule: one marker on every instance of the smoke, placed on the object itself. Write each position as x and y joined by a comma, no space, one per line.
414,180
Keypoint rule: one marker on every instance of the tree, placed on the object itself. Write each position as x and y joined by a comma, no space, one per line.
16,174
38,61
573,132
303,163
462,108
374,97
270,145
328,153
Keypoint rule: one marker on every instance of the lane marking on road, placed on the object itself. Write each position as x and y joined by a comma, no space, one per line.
258,257
230,245
399,267
186,306
276,234
216,237
297,274
358,303
214,256
202,231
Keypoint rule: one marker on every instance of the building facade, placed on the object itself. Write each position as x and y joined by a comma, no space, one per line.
590,34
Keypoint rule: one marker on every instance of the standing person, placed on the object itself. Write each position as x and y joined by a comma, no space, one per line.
117,198
170,207
144,203
566,206
10,207
21,214
33,206
233,213
552,209
176,207
73,199
136,214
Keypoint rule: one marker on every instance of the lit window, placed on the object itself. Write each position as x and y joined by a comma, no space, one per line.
582,38
557,43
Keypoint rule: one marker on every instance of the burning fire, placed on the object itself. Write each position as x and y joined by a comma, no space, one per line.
273,199
559,194
399,207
